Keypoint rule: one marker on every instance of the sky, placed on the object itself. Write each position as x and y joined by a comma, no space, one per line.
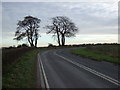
97,21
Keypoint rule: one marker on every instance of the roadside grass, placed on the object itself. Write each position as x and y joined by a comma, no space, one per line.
10,57
107,53
21,74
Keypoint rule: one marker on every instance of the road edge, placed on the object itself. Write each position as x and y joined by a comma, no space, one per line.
42,75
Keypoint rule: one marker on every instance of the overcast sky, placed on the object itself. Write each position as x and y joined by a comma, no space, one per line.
97,21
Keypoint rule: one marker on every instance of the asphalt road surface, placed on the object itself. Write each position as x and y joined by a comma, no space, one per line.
60,69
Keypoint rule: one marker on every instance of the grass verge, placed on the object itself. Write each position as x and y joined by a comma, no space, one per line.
22,73
85,52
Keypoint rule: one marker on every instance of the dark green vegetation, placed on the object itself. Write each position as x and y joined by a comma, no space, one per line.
19,68
101,52
10,55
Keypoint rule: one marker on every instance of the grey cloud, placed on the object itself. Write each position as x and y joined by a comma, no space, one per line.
85,15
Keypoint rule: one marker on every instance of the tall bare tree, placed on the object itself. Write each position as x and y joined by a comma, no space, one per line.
63,27
55,29
28,28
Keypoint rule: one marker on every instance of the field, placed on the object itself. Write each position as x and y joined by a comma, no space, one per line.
10,57
19,68
107,53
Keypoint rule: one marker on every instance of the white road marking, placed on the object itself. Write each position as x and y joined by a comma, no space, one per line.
116,82
44,75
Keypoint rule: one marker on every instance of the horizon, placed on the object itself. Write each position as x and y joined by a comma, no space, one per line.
64,45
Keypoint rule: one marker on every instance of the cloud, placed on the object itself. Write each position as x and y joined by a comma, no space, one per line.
60,1
90,18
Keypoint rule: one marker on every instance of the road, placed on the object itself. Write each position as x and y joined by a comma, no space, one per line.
60,69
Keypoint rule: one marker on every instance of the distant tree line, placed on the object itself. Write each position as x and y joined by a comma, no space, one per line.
73,45
61,27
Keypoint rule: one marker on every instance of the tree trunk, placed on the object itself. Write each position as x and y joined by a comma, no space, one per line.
31,44
58,36
63,39
31,36
36,42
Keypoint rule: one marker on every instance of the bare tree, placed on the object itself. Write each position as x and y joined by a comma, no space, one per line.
54,28
63,27
28,28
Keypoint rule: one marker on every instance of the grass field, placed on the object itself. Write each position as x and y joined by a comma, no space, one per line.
21,74
10,57
19,67
102,52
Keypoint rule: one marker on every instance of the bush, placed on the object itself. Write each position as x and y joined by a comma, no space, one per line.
23,45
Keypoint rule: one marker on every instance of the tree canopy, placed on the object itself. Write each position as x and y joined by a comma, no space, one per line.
28,28
63,27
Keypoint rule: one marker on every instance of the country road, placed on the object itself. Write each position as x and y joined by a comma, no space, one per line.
60,69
